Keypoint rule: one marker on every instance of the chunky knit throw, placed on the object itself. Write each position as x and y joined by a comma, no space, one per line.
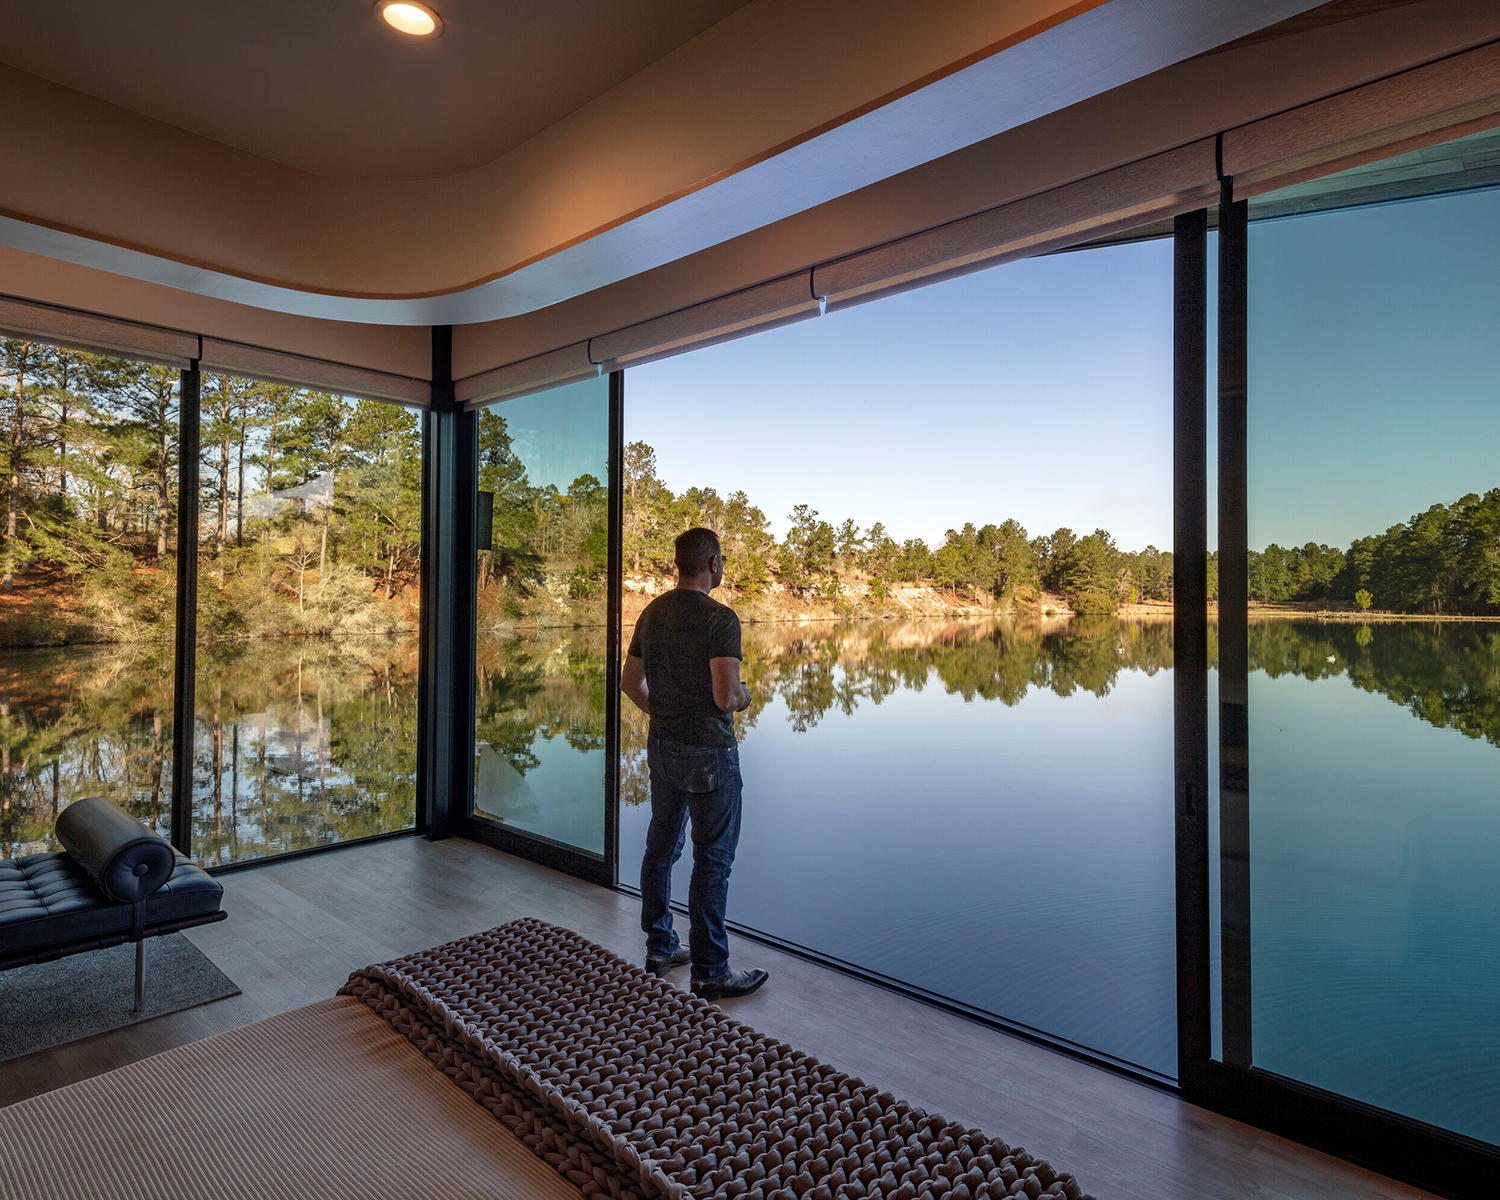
631,1087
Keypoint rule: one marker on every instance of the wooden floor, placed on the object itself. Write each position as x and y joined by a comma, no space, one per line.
296,930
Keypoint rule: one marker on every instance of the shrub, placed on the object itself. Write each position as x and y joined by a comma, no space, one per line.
583,583
1363,600
1092,603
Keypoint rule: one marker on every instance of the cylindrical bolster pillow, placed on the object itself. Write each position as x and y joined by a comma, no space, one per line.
121,855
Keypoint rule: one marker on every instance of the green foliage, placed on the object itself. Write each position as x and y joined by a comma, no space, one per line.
1443,560
584,583
1363,600
1092,603
1303,573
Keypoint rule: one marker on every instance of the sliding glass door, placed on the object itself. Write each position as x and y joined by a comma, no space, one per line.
1360,842
545,659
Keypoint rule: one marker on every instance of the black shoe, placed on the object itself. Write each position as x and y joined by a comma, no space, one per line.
726,987
659,967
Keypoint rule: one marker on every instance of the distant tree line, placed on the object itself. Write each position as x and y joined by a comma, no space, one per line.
815,556
1444,560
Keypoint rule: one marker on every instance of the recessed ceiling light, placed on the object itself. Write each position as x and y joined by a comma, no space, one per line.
415,19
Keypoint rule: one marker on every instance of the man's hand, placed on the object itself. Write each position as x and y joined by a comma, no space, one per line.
729,693
633,682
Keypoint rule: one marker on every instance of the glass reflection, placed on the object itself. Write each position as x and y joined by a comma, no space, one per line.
1373,895
540,764
308,593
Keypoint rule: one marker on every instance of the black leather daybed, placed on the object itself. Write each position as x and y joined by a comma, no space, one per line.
115,881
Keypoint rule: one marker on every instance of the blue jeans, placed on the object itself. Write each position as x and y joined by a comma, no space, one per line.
702,783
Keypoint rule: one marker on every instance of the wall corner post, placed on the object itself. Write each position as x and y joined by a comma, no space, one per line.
185,657
445,691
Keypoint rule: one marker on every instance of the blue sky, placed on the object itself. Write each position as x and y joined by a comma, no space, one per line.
561,434
1374,366
1039,390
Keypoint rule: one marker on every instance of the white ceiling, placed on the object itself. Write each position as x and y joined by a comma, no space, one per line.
327,87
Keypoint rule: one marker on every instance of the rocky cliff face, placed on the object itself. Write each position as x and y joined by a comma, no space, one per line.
853,600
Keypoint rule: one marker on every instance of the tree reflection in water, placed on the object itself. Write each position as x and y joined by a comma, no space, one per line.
305,743
302,744
815,669
1446,673
83,721
296,744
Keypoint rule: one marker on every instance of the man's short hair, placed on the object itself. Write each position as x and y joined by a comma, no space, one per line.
694,548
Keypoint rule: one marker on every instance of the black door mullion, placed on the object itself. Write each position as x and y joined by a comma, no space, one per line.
445,718
1190,641
1234,728
615,591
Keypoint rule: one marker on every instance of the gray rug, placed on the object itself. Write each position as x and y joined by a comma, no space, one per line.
53,1003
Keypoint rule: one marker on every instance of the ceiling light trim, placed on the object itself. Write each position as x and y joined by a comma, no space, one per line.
384,10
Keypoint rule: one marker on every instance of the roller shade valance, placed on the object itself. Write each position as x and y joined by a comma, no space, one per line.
274,366
1112,202
1416,108
553,369
1420,106
96,334
765,306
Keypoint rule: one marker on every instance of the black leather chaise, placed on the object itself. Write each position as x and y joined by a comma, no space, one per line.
115,881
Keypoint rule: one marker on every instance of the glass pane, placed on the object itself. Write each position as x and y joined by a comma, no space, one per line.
88,585
958,757
308,541
1374,506
540,673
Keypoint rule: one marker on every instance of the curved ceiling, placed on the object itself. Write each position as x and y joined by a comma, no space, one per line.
322,86
781,106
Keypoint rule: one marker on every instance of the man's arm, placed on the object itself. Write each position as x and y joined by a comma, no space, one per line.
633,682
729,693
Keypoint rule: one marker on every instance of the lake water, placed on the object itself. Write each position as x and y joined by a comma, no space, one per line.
985,812
1375,864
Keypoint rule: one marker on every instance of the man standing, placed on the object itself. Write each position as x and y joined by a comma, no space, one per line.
683,669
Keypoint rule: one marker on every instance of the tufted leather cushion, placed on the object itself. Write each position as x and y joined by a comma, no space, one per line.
121,855
49,899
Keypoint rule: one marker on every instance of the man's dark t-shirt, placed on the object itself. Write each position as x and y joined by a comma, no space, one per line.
675,637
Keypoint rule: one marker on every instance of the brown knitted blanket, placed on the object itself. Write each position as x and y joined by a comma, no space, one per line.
631,1087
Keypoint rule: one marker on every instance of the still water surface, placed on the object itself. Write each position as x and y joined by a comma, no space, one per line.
296,744
1375,864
